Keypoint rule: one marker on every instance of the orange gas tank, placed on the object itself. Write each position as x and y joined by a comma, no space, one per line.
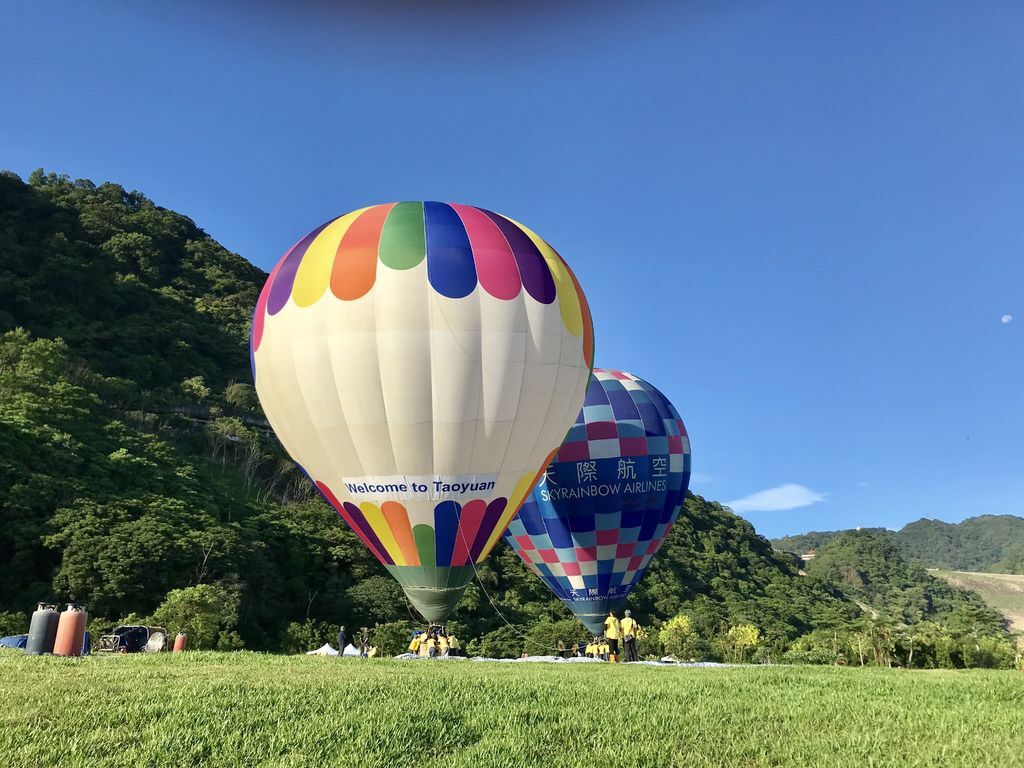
70,631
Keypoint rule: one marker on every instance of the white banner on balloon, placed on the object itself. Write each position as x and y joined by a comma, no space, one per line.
422,487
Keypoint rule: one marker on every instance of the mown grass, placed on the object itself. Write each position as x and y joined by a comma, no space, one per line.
245,709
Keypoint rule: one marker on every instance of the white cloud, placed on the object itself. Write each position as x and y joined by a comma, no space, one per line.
1006,319
777,499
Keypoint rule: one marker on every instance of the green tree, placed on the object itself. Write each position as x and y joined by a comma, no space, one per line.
204,612
740,641
678,637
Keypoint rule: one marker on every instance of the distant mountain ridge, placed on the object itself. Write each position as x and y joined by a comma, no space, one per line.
988,543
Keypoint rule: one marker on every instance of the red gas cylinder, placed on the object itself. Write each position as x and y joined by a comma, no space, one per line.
70,631
179,642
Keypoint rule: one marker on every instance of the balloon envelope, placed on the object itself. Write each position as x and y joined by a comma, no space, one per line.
594,522
421,362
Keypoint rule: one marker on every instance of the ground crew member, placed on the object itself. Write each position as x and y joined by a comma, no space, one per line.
428,647
341,640
630,629
613,632
442,644
453,645
602,649
414,644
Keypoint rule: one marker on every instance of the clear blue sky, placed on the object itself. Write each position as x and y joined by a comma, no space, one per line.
802,221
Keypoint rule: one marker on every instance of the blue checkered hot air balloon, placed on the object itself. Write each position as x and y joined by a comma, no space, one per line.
601,511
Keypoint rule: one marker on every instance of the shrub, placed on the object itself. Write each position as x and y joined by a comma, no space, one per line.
392,638
202,612
306,636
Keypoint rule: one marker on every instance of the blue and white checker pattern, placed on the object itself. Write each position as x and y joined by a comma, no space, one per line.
602,510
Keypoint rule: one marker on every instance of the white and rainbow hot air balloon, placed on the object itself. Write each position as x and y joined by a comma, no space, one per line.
422,362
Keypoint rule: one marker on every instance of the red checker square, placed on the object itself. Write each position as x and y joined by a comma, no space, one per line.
623,550
610,536
586,554
634,563
580,451
524,542
600,430
633,446
682,429
571,569
675,444
619,375
653,547
548,555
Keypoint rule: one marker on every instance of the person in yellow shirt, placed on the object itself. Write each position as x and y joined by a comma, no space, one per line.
613,632
414,644
428,646
630,630
453,645
442,644
602,649
372,653
591,649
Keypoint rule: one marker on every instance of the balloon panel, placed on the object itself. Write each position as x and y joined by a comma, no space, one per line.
605,504
421,362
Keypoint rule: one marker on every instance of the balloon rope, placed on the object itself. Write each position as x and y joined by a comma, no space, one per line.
501,616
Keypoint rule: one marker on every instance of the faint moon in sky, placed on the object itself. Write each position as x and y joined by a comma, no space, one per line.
1006,319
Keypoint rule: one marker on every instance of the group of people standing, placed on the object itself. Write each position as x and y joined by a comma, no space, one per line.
433,642
606,647
366,650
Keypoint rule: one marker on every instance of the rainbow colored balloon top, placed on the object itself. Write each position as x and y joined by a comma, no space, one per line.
463,247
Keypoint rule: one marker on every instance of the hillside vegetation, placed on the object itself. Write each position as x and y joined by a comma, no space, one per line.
245,709
1002,591
139,476
993,543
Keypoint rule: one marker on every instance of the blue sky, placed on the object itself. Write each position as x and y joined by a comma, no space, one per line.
804,222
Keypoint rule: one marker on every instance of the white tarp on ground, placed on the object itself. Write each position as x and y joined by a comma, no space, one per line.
560,660
325,650
350,650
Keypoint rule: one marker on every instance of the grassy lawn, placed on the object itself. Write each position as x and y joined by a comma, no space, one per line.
245,709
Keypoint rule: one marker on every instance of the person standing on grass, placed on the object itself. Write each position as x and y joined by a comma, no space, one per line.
630,629
341,640
613,632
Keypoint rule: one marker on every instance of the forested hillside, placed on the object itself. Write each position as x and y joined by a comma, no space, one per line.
138,475
993,543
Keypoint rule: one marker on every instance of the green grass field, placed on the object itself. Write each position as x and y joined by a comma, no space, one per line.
245,709
1002,591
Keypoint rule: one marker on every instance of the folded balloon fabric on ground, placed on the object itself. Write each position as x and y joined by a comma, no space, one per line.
422,362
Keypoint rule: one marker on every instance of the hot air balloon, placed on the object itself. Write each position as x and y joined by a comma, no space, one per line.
605,504
422,362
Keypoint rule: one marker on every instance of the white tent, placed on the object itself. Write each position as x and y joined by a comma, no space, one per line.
326,650
350,650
